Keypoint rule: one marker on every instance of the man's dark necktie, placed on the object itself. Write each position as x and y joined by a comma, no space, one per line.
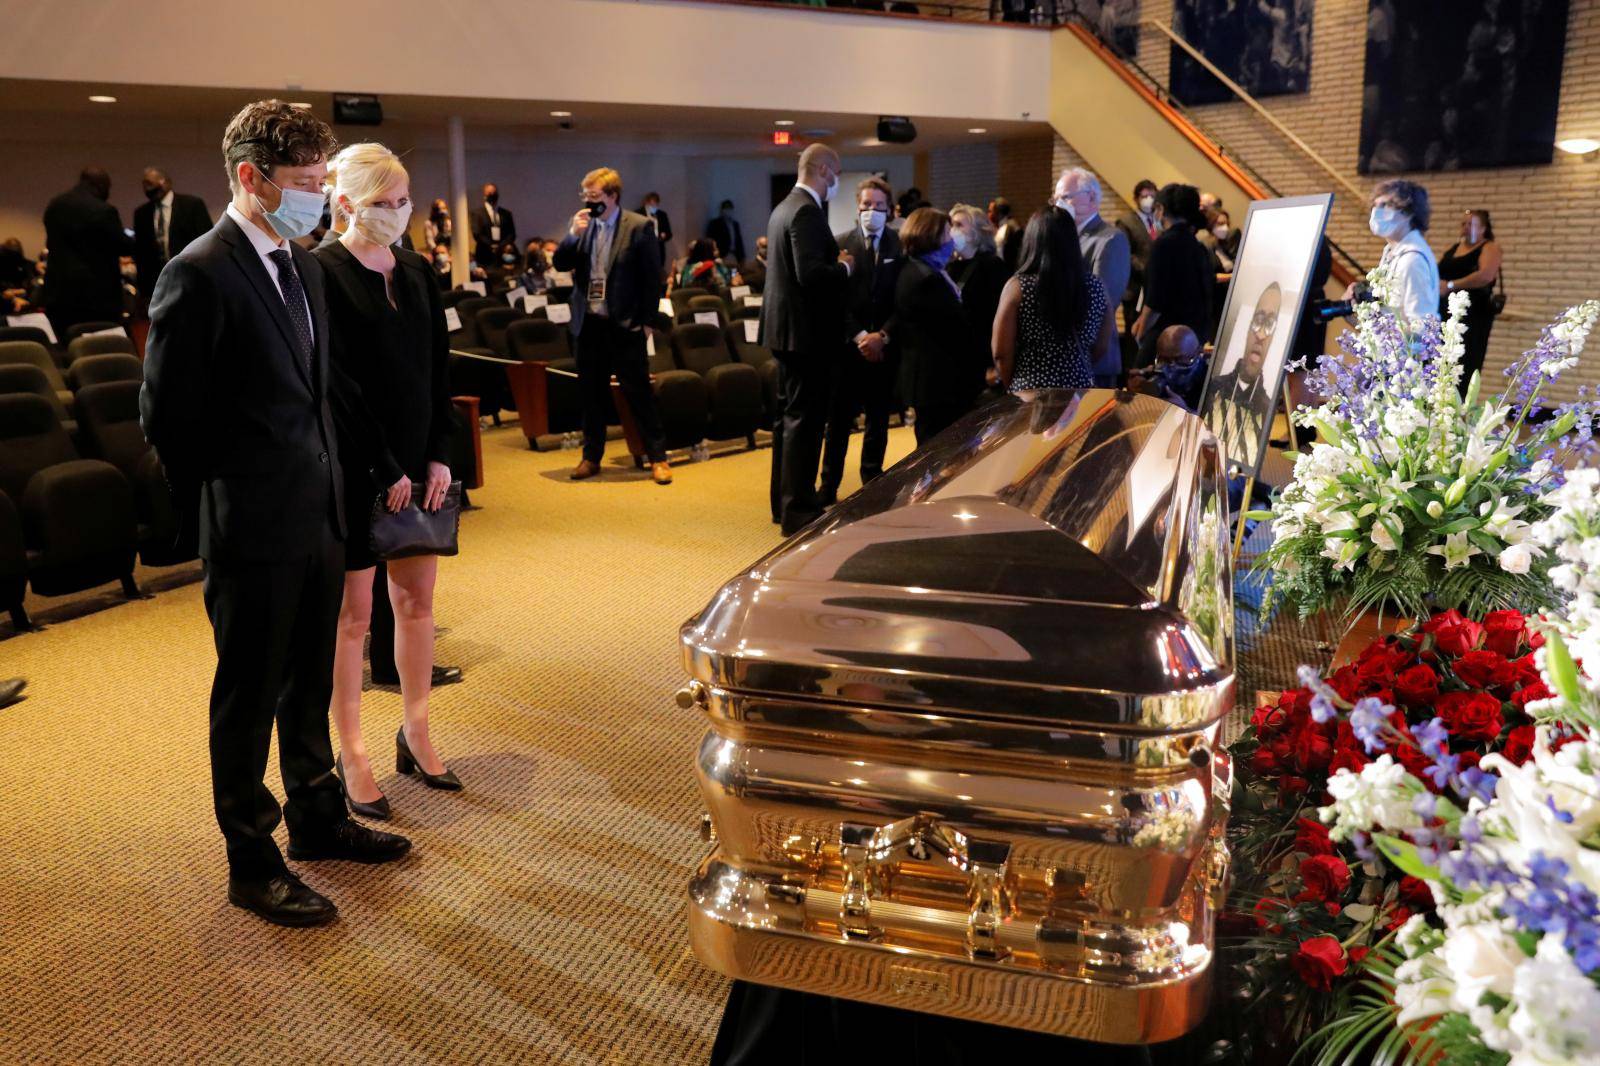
294,301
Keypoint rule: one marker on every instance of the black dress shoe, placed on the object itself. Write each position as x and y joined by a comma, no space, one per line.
406,763
351,841
377,810
282,900
442,675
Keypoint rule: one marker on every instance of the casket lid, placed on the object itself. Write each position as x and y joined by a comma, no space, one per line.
1057,556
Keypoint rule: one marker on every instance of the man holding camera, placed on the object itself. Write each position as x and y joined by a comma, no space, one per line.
615,260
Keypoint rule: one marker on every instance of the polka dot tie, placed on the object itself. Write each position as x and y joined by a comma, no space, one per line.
294,301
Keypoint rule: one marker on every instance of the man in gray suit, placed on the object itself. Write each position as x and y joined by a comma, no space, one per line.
1105,250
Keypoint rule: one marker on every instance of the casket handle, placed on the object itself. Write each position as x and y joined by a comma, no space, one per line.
693,694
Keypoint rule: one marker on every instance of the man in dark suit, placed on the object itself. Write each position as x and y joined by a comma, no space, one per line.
615,259
236,401
163,227
802,322
652,210
492,226
1139,225
864,376
724,229
753,272
87,242
1238,401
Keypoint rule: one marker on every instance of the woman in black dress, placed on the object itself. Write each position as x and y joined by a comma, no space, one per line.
1472,265
1179,278
388,336
1056,321
978,270
941,363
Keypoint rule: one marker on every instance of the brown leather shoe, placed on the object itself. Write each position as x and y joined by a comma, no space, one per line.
661,472
585,469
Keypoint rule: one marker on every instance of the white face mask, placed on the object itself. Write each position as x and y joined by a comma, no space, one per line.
382,225
833,187
1385,222
1221,232
963,242
872,220
1147,204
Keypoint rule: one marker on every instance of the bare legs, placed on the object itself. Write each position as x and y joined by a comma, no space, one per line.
355,614
411,593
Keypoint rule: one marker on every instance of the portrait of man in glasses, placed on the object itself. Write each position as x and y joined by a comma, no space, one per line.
1239,400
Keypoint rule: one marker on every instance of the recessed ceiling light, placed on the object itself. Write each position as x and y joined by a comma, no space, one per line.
102,99
1574,145
783,122
978,129
303,105
561,114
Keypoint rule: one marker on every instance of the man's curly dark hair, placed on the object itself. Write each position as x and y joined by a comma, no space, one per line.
271,133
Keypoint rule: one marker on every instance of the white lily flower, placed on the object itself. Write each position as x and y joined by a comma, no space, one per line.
1456,550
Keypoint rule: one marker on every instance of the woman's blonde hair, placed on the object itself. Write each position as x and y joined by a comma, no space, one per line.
978,219
362,172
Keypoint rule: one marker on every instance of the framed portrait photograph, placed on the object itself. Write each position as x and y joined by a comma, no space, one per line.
1260,317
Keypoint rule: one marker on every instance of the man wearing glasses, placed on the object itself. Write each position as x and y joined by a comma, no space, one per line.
1239,402
1104,247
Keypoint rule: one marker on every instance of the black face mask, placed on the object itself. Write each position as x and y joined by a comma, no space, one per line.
154,195
596,207
492,199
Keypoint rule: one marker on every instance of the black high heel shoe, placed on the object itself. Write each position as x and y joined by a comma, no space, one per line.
406,763
377,810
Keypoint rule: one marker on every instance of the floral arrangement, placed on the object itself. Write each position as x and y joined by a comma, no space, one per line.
1316,905
1415,496
1469,841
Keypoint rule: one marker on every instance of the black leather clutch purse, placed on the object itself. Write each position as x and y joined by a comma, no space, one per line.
413,531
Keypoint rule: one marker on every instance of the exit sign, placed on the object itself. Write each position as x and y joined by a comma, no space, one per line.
780,137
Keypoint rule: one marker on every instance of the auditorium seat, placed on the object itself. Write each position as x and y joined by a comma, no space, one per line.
468,309
34,334
84,328
492,323
743,309
78,518
109,413
680,298
31,354
103,344
453,297
733,391
545,382
13,564
683,400
762,359
95,369
697,304
25,378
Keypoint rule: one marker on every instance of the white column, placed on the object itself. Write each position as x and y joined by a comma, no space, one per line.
461,235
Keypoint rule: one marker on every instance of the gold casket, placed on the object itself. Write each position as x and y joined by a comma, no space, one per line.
965,751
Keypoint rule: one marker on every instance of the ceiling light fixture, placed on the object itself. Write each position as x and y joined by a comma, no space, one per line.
978,129
1579,145
783,122
561,114
301,104
102,99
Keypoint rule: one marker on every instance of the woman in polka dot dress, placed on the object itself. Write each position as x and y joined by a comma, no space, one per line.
1054,319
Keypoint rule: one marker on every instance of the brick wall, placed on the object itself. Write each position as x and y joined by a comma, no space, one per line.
1543,215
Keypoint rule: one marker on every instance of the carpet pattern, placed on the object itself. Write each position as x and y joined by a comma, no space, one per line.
540,917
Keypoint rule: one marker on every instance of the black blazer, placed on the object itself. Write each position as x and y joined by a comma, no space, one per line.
243,430
633,279
729,236
941,363
398,417
484,250
981,280
869,296
86,241
189,221
663,226
803,305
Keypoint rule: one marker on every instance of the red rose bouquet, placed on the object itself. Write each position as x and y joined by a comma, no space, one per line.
1307,909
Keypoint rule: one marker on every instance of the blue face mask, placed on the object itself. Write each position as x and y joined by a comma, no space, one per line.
940,256
297,213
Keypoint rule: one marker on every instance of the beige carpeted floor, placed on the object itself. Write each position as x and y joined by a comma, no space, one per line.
540,918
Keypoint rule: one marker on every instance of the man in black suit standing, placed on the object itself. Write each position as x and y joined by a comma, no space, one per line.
864,376
163,227
492,226
802,322
1139,225
725,230
87,242
652,210
236,401
615,259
